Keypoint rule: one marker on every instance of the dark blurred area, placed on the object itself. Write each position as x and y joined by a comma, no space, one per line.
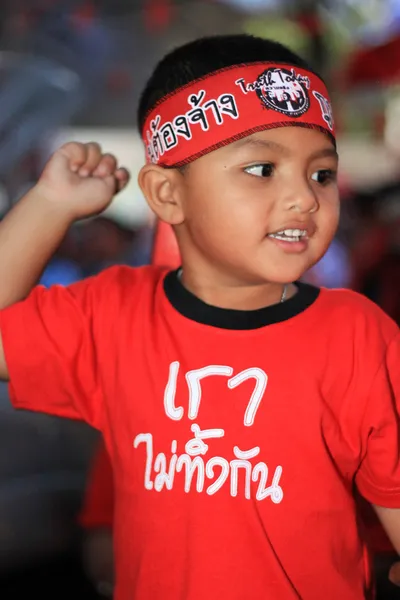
74,69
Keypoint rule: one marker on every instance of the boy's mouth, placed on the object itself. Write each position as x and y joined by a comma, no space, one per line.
290,235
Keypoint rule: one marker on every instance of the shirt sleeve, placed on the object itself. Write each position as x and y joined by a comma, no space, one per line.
378,477
50,345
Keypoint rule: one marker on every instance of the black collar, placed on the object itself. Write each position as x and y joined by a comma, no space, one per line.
191,307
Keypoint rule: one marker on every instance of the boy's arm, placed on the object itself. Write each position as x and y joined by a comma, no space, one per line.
390,519
77,182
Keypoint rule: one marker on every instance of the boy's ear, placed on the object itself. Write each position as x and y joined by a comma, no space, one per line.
163,190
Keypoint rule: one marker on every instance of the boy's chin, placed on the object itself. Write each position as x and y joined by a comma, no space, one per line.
282,276
267,276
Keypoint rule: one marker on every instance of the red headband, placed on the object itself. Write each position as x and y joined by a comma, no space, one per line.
230,104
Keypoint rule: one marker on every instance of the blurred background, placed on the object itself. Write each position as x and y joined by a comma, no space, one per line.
74,69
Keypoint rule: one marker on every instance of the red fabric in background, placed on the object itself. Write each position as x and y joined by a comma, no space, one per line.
165,248
371,66
158,14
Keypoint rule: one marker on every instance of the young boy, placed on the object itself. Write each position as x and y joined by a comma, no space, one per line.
239,408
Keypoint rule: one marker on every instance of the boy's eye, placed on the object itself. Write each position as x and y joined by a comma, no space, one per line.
324,176
263,170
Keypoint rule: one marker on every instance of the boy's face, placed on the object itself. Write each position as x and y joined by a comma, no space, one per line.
237,199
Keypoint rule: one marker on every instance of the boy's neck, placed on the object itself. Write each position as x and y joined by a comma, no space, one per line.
235,296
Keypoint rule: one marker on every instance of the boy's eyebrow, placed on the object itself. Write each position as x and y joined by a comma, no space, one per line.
327,152
258,142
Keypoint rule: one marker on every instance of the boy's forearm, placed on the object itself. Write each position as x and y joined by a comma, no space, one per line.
29,235
390,520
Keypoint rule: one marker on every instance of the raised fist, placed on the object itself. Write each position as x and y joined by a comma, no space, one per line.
81,180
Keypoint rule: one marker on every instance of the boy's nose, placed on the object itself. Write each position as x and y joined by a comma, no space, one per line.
300,197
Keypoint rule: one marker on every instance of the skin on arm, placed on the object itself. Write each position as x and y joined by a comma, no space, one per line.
390,520
98,559
78,181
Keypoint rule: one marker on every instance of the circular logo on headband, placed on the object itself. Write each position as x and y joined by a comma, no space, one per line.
284,90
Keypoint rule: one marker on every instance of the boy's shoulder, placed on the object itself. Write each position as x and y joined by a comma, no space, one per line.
346,308
346,299
123,277
120,283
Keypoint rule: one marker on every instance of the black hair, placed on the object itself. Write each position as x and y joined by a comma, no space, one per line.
206,55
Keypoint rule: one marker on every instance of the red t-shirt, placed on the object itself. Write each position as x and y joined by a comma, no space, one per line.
235,437
98,503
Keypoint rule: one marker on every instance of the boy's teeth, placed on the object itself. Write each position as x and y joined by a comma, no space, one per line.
289,235
292,232
284,238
